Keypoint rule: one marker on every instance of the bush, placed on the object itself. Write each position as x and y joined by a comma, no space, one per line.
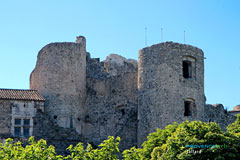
34,151
188,140
108,150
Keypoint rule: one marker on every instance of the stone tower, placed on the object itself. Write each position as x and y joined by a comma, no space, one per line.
60,76
171,86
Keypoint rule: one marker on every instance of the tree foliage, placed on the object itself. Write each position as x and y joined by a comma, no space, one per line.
188,140
108,150
34,151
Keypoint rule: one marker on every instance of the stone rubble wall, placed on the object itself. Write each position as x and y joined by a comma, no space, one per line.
116,64
59,137
100,98
216,113
163,89
5,118
60,76
112,101
90,100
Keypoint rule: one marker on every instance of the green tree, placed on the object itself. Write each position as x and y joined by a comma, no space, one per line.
108,150
79,153
34,151
190,140
235,127
154,139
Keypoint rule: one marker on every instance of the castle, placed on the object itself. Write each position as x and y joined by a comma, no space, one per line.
74,97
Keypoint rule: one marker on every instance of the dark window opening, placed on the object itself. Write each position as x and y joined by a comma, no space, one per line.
123,112
26,131
187,108
55,117
26,122
17,131
187,69
17,122
71,122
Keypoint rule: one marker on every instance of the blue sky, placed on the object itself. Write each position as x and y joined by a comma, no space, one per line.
117,26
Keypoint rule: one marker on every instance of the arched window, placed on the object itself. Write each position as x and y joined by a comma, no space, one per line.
187,69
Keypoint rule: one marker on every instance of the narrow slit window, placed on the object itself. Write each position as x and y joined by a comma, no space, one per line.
71,122
123,112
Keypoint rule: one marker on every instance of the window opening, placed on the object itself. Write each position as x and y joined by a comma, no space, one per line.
26,131
187,69
123,112
17,131
22,127
17,122
26,122
187,108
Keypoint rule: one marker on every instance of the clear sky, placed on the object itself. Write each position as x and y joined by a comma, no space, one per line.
118,26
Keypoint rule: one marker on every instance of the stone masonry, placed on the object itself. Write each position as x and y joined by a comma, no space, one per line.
163,88
60,76
88,100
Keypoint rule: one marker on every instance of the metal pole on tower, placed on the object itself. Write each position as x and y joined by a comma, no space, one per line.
161,34
184,36
145,36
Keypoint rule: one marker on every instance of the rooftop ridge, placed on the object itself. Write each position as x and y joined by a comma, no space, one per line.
20,94
18,89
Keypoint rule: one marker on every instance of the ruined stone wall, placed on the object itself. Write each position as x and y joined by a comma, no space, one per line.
60,76
59,137
234,113
163,88
216,113
118,97
112,100
98,100
5,118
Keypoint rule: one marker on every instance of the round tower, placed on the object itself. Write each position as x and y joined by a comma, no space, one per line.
60,76
171,86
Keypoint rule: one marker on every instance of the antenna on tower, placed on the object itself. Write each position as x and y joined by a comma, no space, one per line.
145,36
184,36
161,34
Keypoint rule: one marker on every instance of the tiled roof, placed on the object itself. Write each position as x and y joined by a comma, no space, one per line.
21,94
236,108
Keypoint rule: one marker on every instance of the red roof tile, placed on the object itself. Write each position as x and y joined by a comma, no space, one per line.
21,94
